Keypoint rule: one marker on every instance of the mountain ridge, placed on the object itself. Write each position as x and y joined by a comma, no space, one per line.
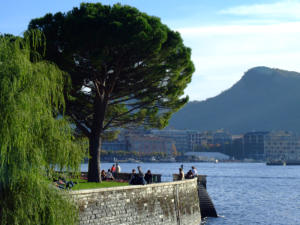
263,99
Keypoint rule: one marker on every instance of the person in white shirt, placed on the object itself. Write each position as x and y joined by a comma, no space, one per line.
109,175
194,171
118,168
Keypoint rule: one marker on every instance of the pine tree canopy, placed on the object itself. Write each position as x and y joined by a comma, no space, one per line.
126,67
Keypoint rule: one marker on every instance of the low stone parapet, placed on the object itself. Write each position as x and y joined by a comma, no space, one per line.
206,204
164,203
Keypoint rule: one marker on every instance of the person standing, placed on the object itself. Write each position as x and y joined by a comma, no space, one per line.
194,171
113,168
141,176
181,174
133,177
118,168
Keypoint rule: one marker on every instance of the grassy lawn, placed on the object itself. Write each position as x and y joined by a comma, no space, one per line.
83,184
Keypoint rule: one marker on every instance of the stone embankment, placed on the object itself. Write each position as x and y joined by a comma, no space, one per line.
167,203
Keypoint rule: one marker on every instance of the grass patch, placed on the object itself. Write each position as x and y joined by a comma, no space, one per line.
83,184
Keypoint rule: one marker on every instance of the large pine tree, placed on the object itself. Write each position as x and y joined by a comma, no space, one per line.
127,68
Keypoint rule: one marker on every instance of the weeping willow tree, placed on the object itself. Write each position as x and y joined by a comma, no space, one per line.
32,137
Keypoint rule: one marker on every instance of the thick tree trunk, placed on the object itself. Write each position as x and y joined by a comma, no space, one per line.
94,174
94,160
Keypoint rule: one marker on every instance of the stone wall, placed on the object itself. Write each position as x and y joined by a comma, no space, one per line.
164,203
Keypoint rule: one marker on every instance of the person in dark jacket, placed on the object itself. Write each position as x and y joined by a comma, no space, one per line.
189,175
133,178
141,179
103,175
148,177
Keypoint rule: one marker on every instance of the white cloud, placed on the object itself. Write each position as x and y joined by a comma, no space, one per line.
276,28
286,9
222,54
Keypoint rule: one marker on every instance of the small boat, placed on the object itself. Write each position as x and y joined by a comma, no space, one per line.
275,163
283,163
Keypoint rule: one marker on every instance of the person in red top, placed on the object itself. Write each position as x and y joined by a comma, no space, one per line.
113,168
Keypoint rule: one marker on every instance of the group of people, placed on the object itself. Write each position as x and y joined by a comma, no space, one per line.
190,174
110,174
135,178
140,177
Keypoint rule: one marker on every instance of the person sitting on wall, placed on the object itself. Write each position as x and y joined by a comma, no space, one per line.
133,178
109,175
103,175
189,175
181,174
141,179
194,171
148,177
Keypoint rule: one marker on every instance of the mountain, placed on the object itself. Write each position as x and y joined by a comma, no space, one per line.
264,99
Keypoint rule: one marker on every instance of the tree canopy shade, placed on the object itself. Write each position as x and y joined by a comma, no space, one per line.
127,68
32,140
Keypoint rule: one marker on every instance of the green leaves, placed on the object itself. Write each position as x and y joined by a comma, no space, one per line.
32,139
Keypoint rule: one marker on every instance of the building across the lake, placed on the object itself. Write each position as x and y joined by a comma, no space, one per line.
191,140
140,142
259,145
180,137
254,145
151,144
282,145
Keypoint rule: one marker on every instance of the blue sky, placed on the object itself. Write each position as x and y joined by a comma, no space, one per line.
227,37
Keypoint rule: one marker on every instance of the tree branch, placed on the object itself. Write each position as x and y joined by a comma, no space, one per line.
80,126
127,112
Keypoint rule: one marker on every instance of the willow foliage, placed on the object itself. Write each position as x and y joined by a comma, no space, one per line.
32,138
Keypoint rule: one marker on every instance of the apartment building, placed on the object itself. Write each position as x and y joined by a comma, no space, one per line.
282,145
254,145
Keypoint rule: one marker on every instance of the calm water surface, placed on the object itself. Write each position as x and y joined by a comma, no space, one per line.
243,193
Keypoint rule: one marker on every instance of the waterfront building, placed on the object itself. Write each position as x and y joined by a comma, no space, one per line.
254,145
115,145
221,137
150,144
140,141
180,138
237,146
282,145
206,138
191,140
194,139
185,140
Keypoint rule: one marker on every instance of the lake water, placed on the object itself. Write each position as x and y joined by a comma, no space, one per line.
243,193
